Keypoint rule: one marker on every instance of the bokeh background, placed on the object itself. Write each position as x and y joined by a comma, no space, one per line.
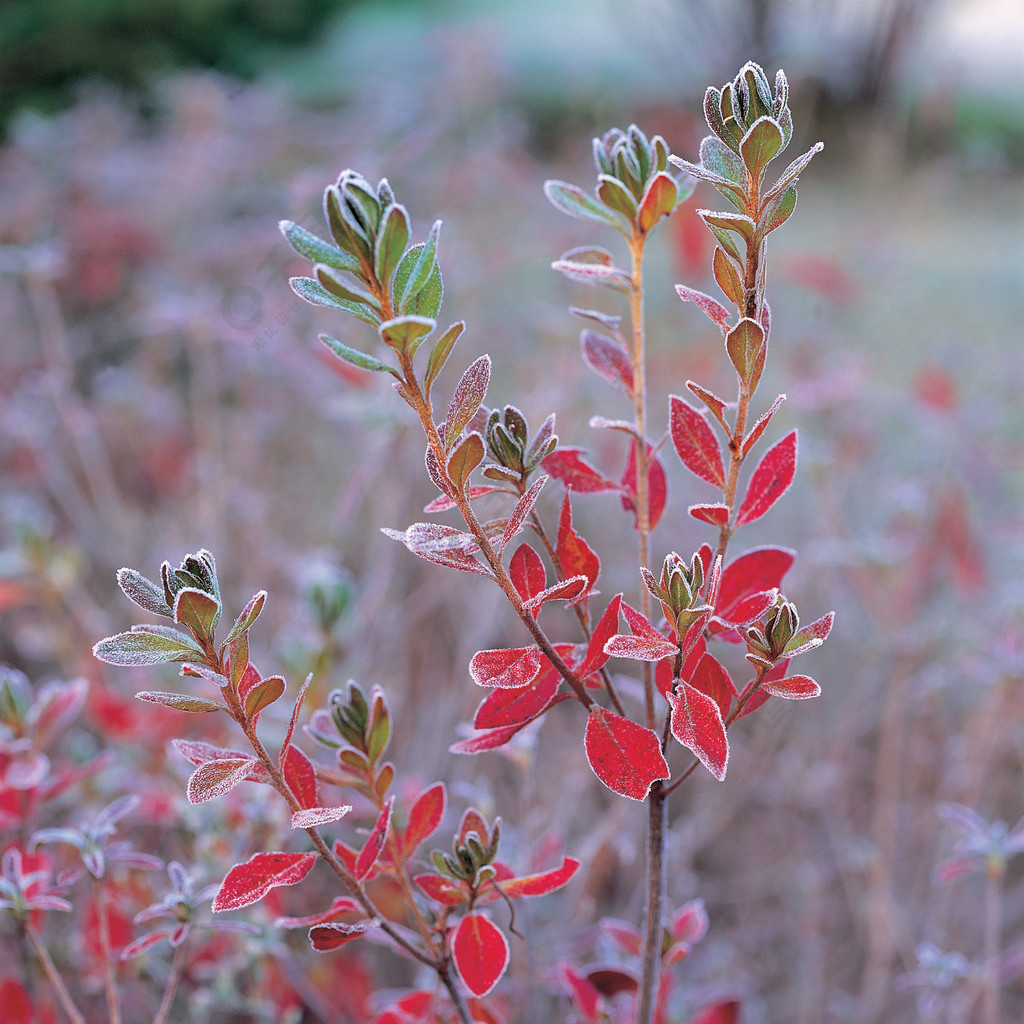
161,390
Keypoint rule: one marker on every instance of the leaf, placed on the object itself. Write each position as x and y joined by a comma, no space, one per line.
625,756
711,307
576,203
215,778
770,480
522,509
249,614
697,724
325,937
608,359
392,238
660,198
639,648
657,486
262,695
715,404
695,442
790,174
313,817
793,688
575,556
736,222
755,571
761,145
315,249
715,156
719,1013
340,905
616,196
776,213
466,400
354,357
490,739
565,590
422,264
527,572
375,843
710,677
759,427
568,466
505,707
745,345
300,774
313,291
809,637
144,592
607,626
405,334
425,815
442,544
180,701
728,279
543,883
200,753
594,273
439,353
249,882
442,503
441,889
506,667
147,645
468,454
716,514
480,952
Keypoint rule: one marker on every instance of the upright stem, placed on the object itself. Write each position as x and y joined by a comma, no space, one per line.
109,984
651,965
173,979
993,927
53,975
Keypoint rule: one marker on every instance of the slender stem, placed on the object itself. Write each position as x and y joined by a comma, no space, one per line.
53,976
109,984
651,964
171,988
993,928
454,994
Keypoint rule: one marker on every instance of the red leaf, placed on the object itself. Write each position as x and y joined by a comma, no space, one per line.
543,883
566,464
442,890
657,485
811,636
585,995
625,756
491,739
770,480
761,696
18,1006
751,608
250,882
626,935
720,1013
690,923
697,724
311,817
716,514
425,814
262,695
325,937
527,572
480,952
596,658
442,503
341,905
639,648
575,556
466,398
566,590
695,442
200,753
215,778
300,774
759,427
443,545
710,677
714,309
608,359
793,688
753,572
522,509
503,707
505,667
375,843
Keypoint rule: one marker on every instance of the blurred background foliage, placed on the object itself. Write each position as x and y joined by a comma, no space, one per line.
161,391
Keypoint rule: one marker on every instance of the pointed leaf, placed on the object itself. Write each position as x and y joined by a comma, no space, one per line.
716,514
565,590
576,203
180,701
249,882
711,307
439,353
325,937
575,556
468,454
607,627
504,707
149,645
568,466
755,571
697,724
508,667
759,427
695,442
745,345
340,905
711,678
608,359
728,278
313,291
262,695
761,145
527,572
144,592
405,334
593,273
215,778
543,883
425,815
793,688
811,636
770,480
523,508
249,614
659,200
315,249
467,398
375,843
776,213
625,756
480,952
300,774
354,357
313,817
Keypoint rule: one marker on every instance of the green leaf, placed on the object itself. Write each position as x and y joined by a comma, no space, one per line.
405,334
722,161
790,174
728,279
428,301
659,201
346,290
468,454
354,357
737,222
197,610
147,645
734,193
315,249
249,614
714,118
421,270
314,292
777,212
180,701
440,352
616,196
144,592
745,345
576,203
392,239
262,695
761,145
348,237
727,242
